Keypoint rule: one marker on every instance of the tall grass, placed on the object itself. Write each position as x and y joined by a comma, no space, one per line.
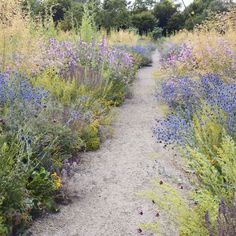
212,47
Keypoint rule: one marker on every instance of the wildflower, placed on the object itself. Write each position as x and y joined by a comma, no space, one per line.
57,180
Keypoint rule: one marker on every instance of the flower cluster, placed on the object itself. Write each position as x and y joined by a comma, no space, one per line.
142,54
185,96
181,91
175,128
181,54
200,58
61,56
18,89
217,92
67,57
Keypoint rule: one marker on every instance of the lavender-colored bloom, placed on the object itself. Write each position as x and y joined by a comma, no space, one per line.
22,100
180,91
62,56
175,128
16,88
185,97
176,54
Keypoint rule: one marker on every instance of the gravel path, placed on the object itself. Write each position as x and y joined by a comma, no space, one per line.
109,179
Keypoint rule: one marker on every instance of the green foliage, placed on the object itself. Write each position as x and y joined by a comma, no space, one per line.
91,137
176,22
157,33
87,29
63,91
144,21
217,173
208,131
163,11
13,174
21,190
54,141
118,14
116,94
143,5
198,11
42,188
72,18
115,15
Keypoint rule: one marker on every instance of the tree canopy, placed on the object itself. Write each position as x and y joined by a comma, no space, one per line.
144,15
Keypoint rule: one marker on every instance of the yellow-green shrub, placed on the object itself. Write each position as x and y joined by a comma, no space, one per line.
90,135
216,173
208,131
187,218
65,91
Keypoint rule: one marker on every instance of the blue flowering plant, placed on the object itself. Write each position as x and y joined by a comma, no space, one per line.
187,98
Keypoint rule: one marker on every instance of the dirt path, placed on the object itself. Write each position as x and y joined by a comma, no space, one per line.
108,180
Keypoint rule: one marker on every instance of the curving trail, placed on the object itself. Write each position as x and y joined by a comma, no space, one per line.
107,180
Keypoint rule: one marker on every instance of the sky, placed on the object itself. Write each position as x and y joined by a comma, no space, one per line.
187,2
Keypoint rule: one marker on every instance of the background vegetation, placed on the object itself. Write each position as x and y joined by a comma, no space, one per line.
144,15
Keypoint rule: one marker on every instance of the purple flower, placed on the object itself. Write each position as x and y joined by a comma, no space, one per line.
186,97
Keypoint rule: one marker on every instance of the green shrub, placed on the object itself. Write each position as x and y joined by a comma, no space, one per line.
157,33
53,143
24,187
117,93
42,187
91,138
216,174
14,201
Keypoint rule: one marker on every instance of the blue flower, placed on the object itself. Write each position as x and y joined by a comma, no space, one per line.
186,96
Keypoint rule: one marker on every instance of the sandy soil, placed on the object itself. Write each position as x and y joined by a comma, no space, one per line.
108,180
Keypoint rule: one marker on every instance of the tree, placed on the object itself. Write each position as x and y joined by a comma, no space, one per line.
143,5
163,11
199,10
72,17
58,7
95,8
144,21
115,14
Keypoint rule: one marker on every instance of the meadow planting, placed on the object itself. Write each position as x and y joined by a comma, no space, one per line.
199,89
59,84
57,90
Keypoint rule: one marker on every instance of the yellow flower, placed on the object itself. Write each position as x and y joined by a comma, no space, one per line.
57,180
